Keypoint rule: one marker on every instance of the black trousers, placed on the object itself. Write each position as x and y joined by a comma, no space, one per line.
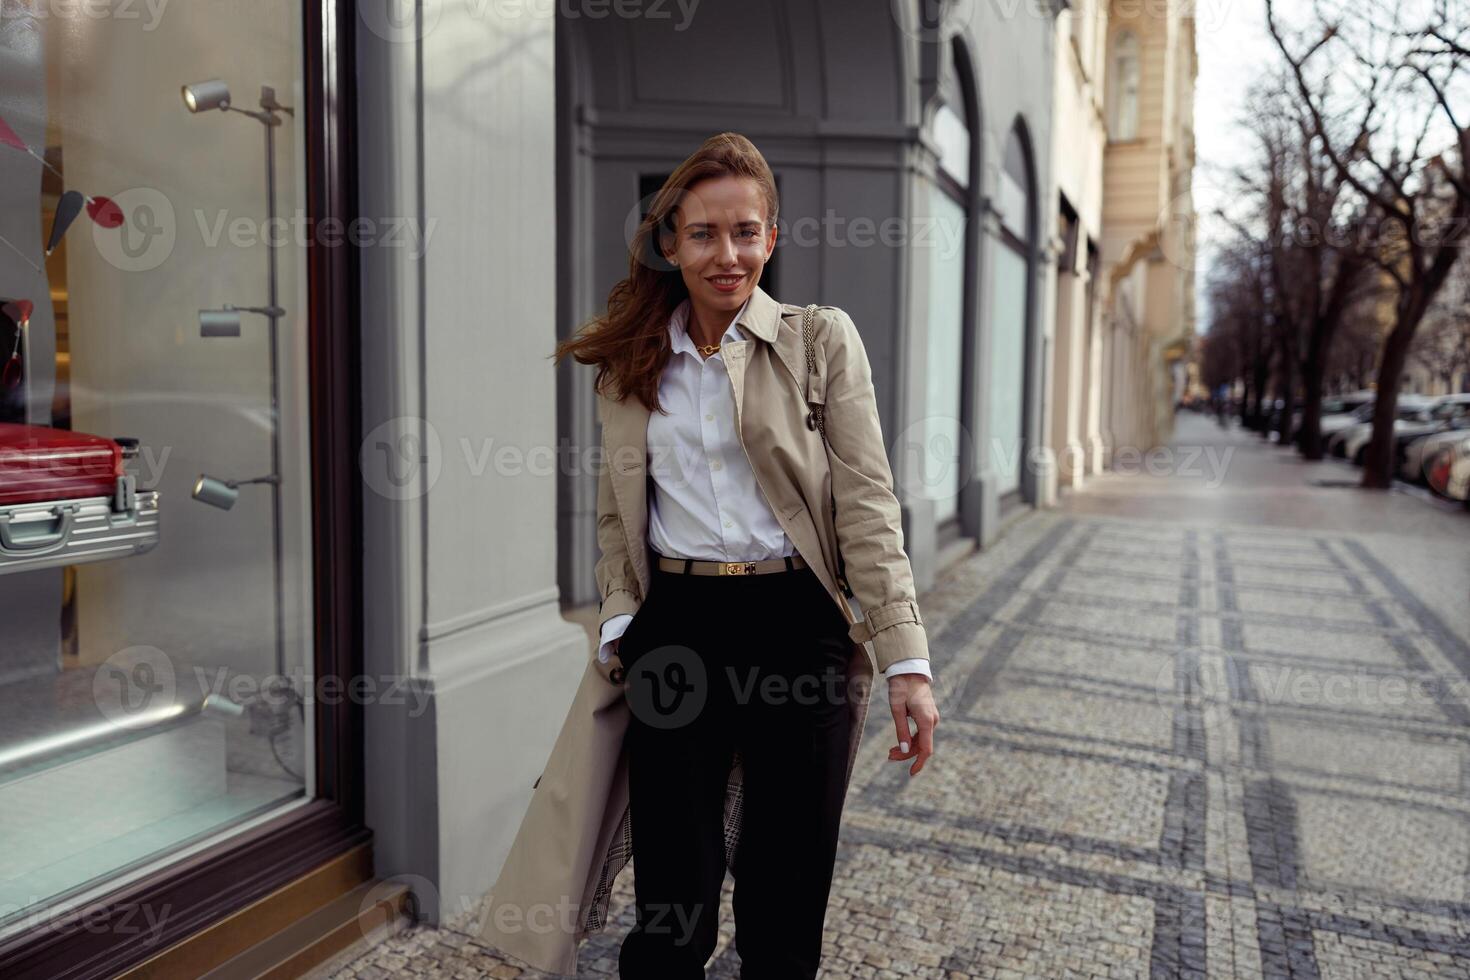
718,664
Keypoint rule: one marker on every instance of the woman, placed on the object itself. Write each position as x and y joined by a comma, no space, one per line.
731,537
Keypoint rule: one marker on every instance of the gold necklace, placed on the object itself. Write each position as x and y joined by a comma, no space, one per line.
706,349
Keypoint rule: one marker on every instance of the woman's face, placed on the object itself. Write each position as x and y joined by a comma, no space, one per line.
722,242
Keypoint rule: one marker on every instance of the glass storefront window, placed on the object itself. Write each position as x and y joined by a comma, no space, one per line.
156,622
940,461
1009,301
1007,368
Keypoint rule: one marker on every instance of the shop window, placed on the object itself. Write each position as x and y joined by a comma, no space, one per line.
155,479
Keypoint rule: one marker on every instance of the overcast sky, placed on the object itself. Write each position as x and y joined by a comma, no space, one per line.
1234,49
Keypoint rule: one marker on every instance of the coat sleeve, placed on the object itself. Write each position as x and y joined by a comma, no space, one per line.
869,523
617,583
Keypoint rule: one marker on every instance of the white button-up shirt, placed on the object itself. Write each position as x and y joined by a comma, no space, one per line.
706,503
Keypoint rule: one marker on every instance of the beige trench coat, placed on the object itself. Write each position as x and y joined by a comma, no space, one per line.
576,837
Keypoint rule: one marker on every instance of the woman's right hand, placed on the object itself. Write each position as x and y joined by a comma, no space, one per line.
912,696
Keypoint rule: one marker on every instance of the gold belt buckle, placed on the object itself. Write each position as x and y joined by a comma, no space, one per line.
739,568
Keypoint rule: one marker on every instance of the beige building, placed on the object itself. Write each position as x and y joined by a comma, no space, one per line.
1078,150
1123,156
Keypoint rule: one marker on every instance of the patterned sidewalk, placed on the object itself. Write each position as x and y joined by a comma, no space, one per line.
1167,750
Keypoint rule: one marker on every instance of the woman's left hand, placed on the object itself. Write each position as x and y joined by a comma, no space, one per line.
911,696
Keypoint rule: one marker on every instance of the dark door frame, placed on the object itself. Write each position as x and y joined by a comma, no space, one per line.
110,934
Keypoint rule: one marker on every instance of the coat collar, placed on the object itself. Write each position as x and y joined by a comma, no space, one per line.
625,423
762,316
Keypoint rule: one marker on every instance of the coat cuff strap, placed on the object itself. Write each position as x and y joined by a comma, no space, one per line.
903,641
616,602
880,619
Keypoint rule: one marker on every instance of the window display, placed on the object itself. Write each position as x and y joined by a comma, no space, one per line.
156,617
67,498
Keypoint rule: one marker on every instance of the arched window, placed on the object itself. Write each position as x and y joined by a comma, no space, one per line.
1010,306
1014,199
953,137
1123,121
940,457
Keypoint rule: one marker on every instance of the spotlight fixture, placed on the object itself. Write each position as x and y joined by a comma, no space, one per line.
223,493
225,321
203,96
219,323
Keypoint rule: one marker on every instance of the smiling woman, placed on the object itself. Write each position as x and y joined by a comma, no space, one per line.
749,498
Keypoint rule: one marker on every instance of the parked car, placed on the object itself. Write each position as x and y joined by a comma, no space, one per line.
1415,418
1448,471
1333,426
1454,413
1346,404
1331,405
1334,407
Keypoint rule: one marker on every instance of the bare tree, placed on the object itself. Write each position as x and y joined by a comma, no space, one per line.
1442,346
1293,203
1237,346
1353,357
1403,68
1442,349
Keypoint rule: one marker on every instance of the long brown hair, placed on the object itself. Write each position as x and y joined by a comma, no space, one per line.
630,342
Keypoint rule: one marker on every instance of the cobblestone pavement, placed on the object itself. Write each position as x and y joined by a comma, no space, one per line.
1169,749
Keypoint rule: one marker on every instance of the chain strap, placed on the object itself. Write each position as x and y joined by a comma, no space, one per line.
816,416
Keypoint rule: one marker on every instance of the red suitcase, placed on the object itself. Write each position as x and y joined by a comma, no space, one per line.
37,463
65,498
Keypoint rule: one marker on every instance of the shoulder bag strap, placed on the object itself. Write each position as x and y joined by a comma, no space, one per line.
816,418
